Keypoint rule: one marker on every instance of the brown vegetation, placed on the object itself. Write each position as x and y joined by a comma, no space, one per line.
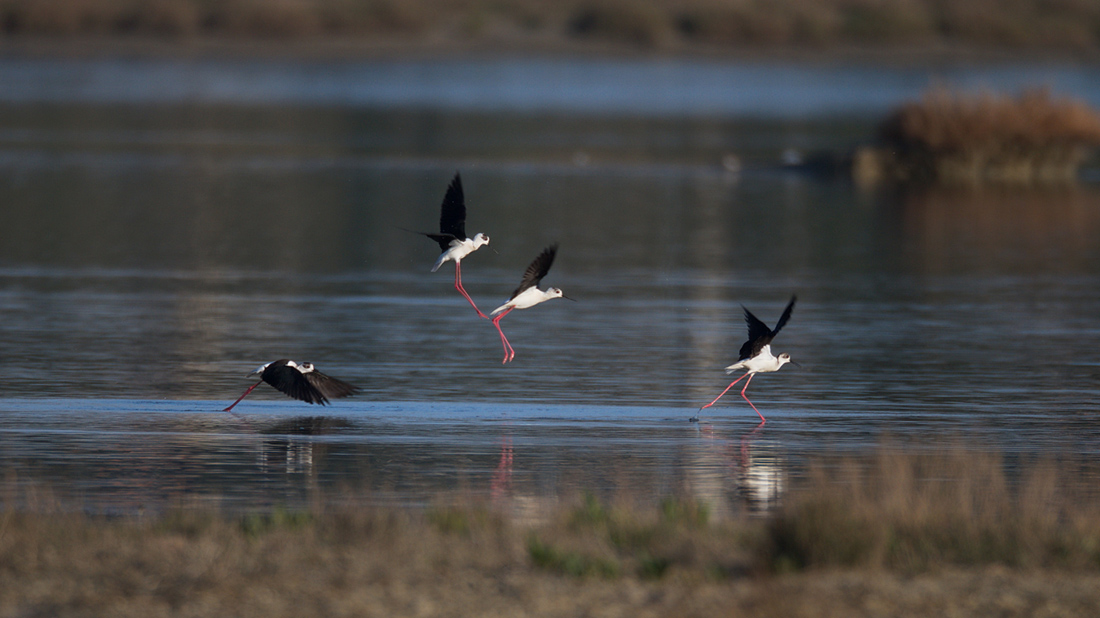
1015,24
905,535
954,137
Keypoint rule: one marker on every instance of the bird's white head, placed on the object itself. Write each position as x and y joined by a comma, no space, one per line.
557,293
783,359
305,367
480,239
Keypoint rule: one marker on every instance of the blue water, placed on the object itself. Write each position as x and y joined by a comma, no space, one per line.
169,225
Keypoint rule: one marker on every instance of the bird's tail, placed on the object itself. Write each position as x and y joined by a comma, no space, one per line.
439,262
735,367
499,310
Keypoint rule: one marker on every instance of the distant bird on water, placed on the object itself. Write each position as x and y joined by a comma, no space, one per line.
452,235
299,381
756,355
528,294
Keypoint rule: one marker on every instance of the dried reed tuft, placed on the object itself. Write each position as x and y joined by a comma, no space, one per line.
918,512
953,137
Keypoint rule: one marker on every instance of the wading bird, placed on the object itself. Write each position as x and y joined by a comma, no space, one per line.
528,294
756,355
299,381
452,235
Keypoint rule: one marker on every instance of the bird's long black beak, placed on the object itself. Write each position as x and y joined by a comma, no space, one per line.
796,364
567,298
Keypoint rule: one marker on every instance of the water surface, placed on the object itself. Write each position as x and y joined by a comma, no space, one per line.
161,242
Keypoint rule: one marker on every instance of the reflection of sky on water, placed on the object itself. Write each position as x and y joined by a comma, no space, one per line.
659,86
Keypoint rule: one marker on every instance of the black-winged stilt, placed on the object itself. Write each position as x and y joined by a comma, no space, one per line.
299,381
528,294
452,235
756,355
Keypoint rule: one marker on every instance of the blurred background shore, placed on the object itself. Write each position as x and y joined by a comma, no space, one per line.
899,30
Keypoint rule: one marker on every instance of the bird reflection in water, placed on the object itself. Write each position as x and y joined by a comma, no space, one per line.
288,445
750,475
500,485
760,477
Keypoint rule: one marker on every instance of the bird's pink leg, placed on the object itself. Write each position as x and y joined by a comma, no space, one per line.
509,353
242,396
458,286
725,391
762,419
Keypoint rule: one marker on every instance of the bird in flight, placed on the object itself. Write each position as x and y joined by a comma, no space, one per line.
300,381
452,235
756,354
528,294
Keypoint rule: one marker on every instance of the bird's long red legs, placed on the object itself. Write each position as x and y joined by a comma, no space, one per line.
762,419
242,396
458,286
509,353
726,391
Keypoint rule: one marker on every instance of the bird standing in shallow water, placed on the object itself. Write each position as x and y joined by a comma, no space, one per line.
528,294
299,381
452,235
756,355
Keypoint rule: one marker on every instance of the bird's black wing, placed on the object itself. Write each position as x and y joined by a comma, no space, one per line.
537,269
444,240
786,316
293,383
759,336
452,215
328,386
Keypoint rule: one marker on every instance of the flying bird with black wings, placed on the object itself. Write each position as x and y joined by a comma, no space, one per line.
528,294
756,354
299,381
452,235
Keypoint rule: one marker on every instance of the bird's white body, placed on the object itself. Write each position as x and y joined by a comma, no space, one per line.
764,362
460,249
528,298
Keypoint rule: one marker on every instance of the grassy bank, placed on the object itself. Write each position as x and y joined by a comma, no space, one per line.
1027,25
906,535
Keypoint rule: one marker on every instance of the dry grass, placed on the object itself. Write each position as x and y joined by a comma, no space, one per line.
907,535
954,137
1067,25
915,513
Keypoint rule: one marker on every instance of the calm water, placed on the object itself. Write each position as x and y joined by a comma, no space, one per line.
160,242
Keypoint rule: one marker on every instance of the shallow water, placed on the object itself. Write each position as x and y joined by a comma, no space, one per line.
157,250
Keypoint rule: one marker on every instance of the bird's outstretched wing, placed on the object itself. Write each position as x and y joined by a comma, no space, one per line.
445,240
310,387
786,316
329,386
452,215
292,383
759,333
759,336
537,269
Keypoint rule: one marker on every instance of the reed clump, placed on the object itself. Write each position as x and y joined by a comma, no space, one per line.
952,137
920,512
